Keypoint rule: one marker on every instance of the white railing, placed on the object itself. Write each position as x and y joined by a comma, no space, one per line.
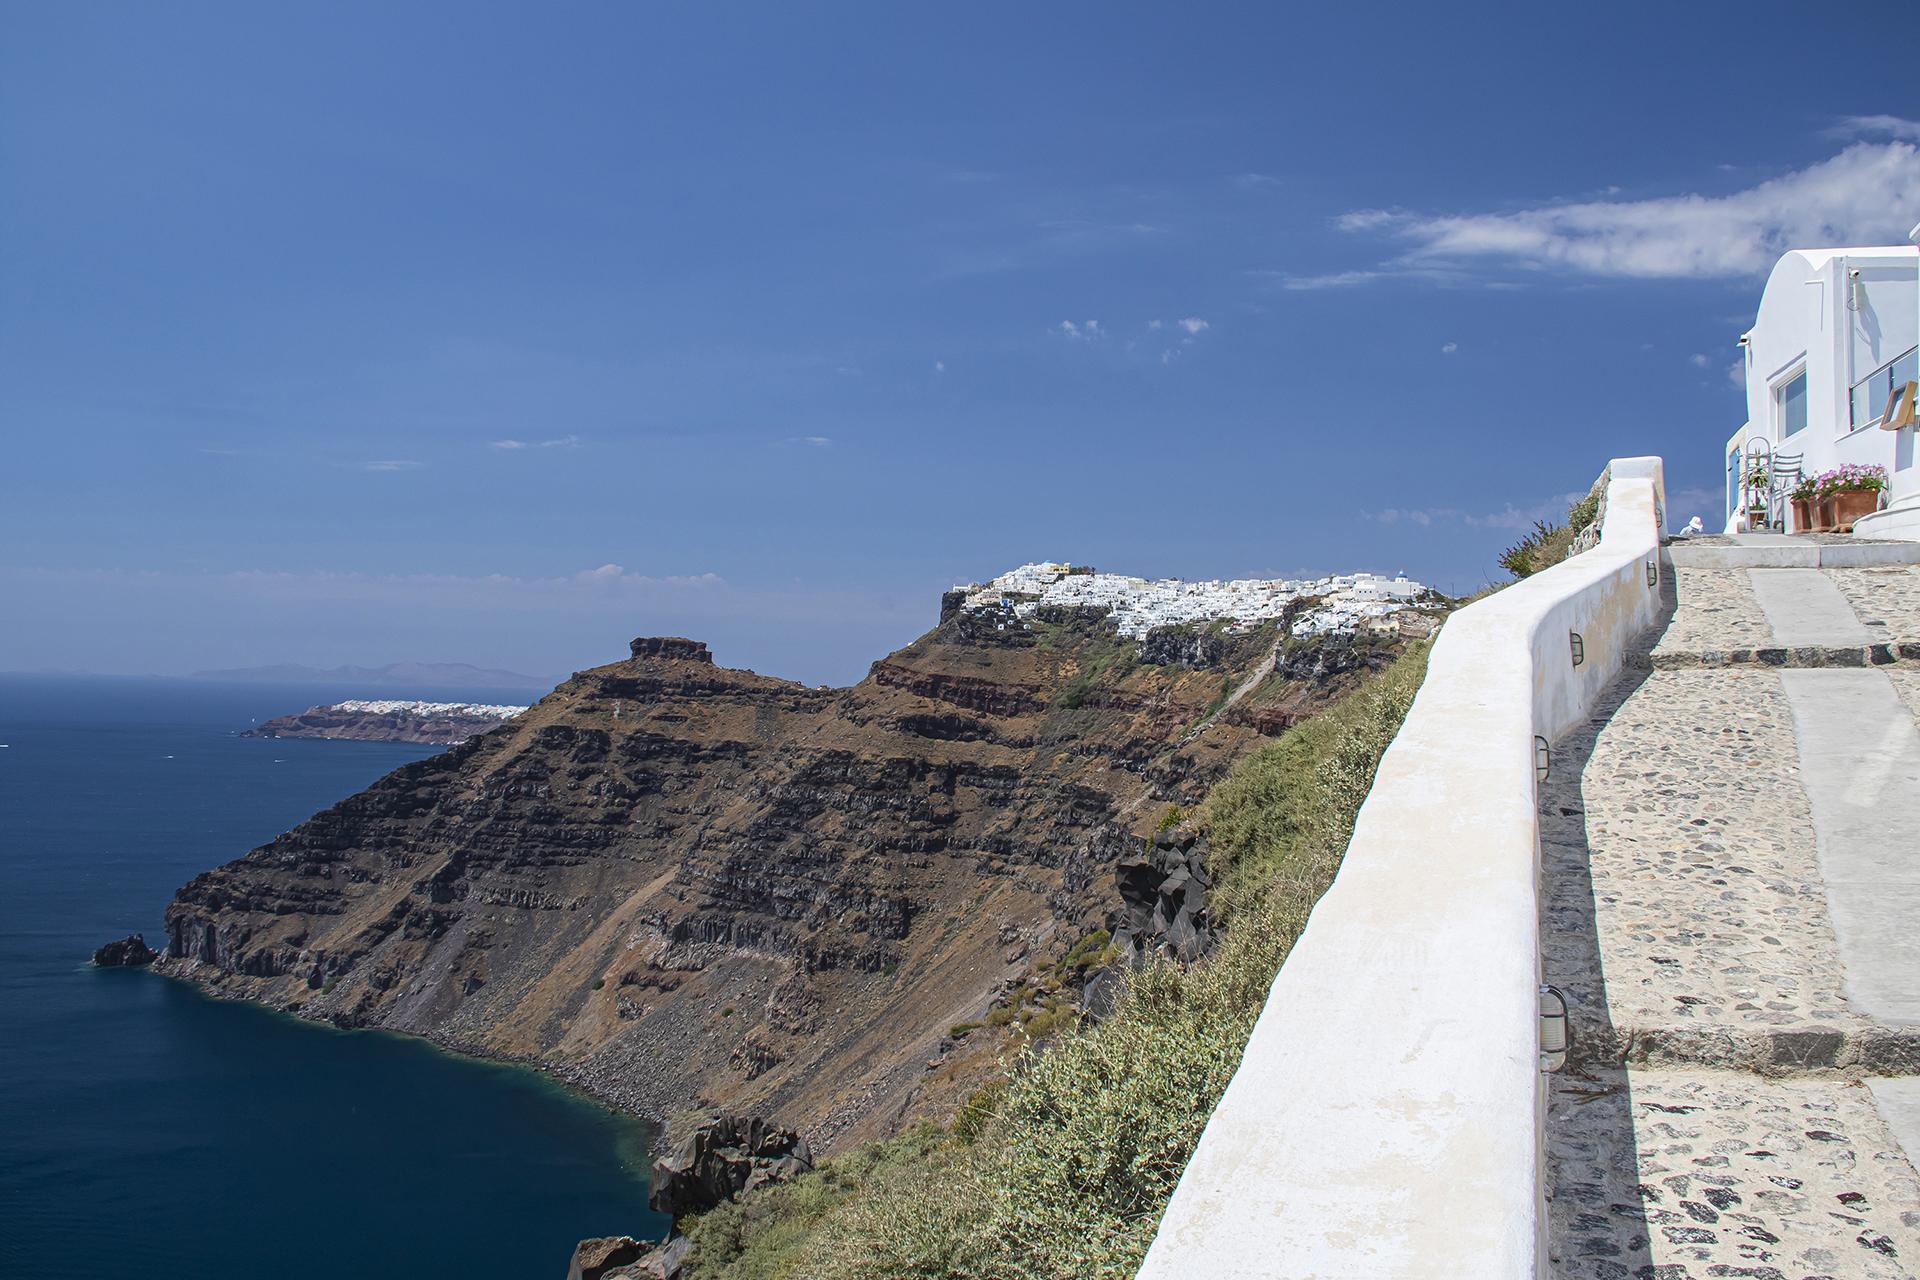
1386,1120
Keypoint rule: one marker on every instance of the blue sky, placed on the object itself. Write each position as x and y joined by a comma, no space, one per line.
501,334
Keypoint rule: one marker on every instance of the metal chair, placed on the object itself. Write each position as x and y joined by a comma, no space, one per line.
1783,477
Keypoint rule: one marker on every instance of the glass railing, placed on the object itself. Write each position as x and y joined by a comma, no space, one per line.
1871,393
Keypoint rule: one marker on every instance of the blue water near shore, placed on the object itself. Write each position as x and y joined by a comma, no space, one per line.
147,1130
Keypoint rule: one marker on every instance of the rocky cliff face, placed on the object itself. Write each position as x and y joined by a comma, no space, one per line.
683,885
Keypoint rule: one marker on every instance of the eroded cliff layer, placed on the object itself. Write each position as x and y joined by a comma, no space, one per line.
679,884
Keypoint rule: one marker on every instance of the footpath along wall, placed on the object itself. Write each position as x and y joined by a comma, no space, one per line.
1386,1121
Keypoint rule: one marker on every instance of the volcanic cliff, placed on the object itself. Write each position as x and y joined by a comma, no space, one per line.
682,885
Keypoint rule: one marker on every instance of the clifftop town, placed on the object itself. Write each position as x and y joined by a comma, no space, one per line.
1140,606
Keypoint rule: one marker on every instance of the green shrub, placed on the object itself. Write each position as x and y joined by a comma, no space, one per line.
755,1237
1549,543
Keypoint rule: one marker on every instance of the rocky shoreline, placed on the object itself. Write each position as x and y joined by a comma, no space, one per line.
597,1087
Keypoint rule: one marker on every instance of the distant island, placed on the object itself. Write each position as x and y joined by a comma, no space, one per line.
395,675
363,720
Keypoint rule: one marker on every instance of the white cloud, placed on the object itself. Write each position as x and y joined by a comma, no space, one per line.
812,442
1448,348
1509,517
1863,195
1878,126
939,366
1333,280
559,442
1737,374
391,464
1155,326
1194,324
1422,517
1254,181
1698,360
1085,331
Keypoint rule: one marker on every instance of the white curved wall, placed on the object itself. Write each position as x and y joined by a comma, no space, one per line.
1385,1121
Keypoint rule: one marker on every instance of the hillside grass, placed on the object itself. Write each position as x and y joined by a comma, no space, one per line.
1062,1171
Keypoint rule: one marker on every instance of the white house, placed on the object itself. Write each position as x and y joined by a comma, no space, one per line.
1835,334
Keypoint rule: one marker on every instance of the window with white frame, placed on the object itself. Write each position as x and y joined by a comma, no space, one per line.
1790,404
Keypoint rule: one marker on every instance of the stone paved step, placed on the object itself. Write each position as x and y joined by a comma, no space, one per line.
1890,597
1805,607
1742,1083
1860,765
1679,875
1809,552
1685,916
1678,1175
1785,618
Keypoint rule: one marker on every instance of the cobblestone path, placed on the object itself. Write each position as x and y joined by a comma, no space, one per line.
1715,1118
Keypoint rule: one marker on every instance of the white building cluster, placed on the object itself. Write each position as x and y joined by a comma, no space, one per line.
485,710
1352,601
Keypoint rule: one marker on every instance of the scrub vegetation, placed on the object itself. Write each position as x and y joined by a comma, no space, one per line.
1062,1169
1549,543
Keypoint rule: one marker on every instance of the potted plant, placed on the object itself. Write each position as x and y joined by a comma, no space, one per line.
1803,497
1756,494
1850,491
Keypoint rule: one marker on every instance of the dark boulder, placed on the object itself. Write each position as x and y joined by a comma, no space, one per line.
131,950
604,1256
722,1157
624,1258
1165,894
1184,646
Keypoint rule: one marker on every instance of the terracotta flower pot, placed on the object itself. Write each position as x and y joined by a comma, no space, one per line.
1802,515
1850,504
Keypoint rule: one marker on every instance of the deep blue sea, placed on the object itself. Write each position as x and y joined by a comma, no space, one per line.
147,1130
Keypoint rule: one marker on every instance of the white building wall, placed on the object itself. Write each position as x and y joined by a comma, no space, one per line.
1814,315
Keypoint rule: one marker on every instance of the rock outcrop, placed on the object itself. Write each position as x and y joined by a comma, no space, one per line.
680,885
1164,893
130,951
605,1257
720,1158
624,1258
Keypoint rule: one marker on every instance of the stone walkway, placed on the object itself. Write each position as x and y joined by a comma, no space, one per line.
1732,1104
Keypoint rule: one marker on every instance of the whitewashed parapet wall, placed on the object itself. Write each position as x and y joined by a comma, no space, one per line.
1386,1121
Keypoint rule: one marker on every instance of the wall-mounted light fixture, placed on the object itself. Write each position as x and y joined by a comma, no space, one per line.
1542,757
1653,572
1579,647
1556,1032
